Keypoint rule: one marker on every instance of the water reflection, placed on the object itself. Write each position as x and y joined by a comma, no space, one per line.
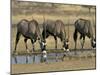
28,59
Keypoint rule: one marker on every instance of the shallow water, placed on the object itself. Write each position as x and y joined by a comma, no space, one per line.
51,57
23,59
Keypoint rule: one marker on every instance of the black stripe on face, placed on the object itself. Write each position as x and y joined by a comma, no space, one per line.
43,46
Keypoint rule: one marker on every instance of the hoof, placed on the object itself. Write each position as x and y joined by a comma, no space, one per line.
15,53
32,51
28,51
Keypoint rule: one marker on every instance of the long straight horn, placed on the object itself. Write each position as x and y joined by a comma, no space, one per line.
95,24
32,17
68,29
94,28
95,31
44,25
64,32
43,19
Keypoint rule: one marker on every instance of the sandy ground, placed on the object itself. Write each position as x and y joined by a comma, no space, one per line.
66,65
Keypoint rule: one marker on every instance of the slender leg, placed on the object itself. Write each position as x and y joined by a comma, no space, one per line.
82,38
55,42
17,40
75,47
26,59
33,41
15,58
25,40
75,44
55,45
83,41
75,39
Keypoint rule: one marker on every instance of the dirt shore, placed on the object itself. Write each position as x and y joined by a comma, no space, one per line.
66,65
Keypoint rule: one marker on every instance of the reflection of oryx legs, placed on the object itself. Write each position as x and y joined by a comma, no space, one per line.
17,39
75,44
26,59
15,58
44,56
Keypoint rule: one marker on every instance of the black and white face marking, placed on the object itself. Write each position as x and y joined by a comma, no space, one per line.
93,43
43,45
66,46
